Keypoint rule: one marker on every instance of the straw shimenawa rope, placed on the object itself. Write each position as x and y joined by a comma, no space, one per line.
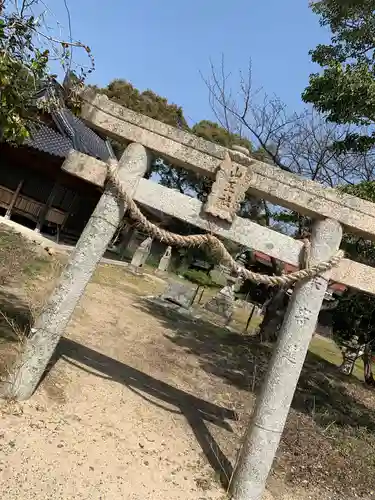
213,243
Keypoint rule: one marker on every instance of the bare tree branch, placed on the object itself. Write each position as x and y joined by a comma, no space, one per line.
301,143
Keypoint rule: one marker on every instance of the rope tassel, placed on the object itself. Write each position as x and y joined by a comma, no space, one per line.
213,243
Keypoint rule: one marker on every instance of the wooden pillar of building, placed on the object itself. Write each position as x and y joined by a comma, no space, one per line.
44,211
14,199
70,209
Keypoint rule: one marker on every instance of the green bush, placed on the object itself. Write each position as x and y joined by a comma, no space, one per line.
354,315
198,277
153,260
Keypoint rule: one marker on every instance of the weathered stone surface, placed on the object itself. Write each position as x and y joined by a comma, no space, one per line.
273,403
158,301
85,167
141,254
180,294
228,190
98,109
271,183
241,149
165,260
94,240
131,241
219,275
248,234
222,303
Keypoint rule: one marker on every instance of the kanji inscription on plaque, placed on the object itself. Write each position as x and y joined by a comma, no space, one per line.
228,191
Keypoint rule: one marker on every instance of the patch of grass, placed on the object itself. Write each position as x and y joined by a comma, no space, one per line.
20,259
338,459
119,277
27,276
328,350
36,266
14,253
241,316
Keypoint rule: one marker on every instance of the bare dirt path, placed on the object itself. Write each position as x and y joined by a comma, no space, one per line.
145,404
119,416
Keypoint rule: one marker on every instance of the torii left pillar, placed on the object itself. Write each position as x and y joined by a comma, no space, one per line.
90,248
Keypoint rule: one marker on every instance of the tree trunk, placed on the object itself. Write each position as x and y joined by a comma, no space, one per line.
273,317
367,368
274,309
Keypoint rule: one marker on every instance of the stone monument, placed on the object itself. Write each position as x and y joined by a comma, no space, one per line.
141,254
165,261
179,294
222,303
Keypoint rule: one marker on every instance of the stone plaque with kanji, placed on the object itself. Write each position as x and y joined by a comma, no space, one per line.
228,191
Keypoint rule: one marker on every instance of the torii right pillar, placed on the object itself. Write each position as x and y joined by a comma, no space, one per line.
273,403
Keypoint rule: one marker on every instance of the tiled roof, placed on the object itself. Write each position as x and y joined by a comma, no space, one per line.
82,137
72,132
47,140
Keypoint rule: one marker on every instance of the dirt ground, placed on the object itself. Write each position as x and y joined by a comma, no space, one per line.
120,414
108,422
141,403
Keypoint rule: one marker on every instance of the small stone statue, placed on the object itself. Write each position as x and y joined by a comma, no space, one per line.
165,260
351,351
141,254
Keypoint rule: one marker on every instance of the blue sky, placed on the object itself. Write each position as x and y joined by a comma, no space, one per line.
165,45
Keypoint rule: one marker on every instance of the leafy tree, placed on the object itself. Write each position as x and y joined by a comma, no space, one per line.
360,249
25,53
345,90
22,67
213,132
300,143
354,314
148,103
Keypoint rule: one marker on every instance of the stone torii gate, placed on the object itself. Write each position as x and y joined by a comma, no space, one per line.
234,173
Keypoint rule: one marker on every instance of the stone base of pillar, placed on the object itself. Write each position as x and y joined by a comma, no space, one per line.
135,269
222,303
160,273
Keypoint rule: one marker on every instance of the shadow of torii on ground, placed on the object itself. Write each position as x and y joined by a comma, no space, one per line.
196,411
